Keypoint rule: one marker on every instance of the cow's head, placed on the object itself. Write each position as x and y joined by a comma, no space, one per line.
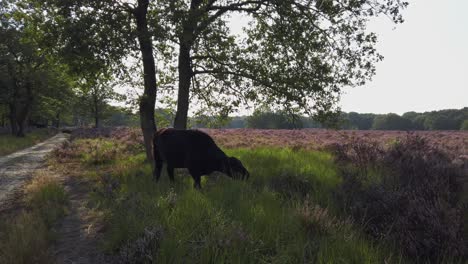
234,169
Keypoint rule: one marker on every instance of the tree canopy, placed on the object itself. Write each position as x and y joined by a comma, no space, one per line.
294,56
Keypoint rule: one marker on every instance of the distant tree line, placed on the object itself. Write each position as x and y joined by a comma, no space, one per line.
451,119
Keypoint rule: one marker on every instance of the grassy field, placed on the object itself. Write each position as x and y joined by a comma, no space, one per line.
10,144
299,206
26,233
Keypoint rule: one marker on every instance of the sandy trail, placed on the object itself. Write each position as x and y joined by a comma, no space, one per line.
18,167
78,231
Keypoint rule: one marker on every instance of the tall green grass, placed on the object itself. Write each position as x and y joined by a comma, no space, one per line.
231,221
10,143
25,237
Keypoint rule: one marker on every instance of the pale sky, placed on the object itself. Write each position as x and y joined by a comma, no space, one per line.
426,61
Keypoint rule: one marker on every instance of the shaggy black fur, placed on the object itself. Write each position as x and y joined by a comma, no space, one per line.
194,150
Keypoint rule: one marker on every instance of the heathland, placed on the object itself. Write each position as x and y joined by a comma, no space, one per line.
314,196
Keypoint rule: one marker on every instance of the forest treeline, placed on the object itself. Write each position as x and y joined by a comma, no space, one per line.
112,116
450,119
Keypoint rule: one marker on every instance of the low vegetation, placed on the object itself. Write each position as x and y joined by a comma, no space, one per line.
28,233
263,220
356,202
10,143
411,194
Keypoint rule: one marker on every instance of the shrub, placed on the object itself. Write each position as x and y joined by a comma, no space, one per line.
128,139
143,249
464,125
416,200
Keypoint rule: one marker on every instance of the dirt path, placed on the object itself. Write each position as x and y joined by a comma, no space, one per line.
79,232
17,168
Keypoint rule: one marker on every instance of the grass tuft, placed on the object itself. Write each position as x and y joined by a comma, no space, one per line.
26,236
10,143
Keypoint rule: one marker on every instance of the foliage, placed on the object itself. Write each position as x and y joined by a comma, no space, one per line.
115,116
435,120
449,119
391,121
464,125
295,54
164,117
94,93
35,83
267,119
353,120
103,37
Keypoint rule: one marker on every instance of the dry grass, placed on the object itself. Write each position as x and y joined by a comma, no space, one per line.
27,234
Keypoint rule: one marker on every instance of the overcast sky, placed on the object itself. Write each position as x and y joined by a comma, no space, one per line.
426,61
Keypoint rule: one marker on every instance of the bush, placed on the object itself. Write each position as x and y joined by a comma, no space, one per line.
464,125
129,139
409,193
143,249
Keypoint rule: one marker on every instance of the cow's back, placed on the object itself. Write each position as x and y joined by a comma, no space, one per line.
181,148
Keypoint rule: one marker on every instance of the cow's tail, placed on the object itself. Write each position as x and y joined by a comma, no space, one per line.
156,159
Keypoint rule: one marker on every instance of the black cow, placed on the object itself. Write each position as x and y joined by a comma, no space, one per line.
194,150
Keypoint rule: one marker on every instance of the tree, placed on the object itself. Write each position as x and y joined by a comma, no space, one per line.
104,33
119,116
417,119
391,122
267,119
28,74
353,120
464,125
297,53
95,92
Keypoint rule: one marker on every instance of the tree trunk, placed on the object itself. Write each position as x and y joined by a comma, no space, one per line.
24,109
14,127
96,121
186,41
22,116
57,120
21,126
185,77
96,115
148,99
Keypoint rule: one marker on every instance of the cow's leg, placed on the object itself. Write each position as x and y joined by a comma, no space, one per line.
157,169
196,175
170,172
197,183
